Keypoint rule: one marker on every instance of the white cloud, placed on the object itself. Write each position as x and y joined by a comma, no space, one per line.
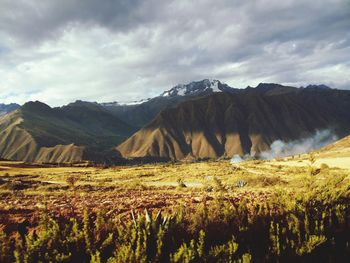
60,51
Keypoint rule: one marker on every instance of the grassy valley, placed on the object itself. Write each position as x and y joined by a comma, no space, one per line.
289,210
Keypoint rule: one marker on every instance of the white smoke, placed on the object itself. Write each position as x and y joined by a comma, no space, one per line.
237,158
282,149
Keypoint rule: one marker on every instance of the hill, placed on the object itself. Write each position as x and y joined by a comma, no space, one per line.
339,149
336,154
38,133
245,122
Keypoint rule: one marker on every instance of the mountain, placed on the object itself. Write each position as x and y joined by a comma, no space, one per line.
321,86
271,89
202,119
244,122
197,88
6,108
140,114
79,131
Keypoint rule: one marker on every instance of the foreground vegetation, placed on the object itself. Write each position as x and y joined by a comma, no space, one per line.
255,212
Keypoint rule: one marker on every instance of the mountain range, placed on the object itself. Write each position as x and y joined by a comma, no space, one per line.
6,108
36,132
140,114
199,120
226,124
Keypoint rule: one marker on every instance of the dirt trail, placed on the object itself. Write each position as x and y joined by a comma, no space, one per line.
173,183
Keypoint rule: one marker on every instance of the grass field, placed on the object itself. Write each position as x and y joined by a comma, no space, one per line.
265,211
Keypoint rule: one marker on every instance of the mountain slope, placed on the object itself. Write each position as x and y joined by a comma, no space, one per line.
247,122
138,115
339,149
37,133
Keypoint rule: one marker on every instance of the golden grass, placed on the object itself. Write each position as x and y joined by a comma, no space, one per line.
259,175
66,192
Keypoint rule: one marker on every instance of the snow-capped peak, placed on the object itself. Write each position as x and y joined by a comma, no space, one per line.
214,85
205,86
126,103
135,102
195,87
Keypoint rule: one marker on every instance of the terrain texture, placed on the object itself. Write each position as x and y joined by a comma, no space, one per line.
225,124
293,209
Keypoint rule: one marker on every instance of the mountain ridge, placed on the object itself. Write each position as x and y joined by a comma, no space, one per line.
141,114
242,123
7,108
202,119
38,133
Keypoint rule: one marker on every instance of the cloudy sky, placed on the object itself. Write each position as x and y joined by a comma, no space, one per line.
58,51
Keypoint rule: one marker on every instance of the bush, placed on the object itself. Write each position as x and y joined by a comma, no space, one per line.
15,185
219,186
241,183
306,228
181,183
71,181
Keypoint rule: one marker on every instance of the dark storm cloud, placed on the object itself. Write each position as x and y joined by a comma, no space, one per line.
38,20
134,49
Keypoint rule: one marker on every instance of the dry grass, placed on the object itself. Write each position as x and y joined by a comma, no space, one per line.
24,190
216,192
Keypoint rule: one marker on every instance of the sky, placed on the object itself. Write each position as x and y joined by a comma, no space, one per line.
58,51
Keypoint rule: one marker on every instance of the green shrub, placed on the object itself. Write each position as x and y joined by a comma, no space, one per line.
180,183
308,227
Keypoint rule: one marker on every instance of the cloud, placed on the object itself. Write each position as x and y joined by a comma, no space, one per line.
59,51
35,21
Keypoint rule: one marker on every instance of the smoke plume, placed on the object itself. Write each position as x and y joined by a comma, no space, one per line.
282,149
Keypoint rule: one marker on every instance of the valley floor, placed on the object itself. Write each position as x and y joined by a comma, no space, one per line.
28,192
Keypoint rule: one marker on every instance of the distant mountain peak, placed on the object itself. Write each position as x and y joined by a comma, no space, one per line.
271,88
35,105
320,86
82,103
7,108
196,87
125,103
9,105
268,85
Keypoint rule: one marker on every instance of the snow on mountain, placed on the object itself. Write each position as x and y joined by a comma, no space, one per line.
190,89
127,103
214,86
135,102
195,87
